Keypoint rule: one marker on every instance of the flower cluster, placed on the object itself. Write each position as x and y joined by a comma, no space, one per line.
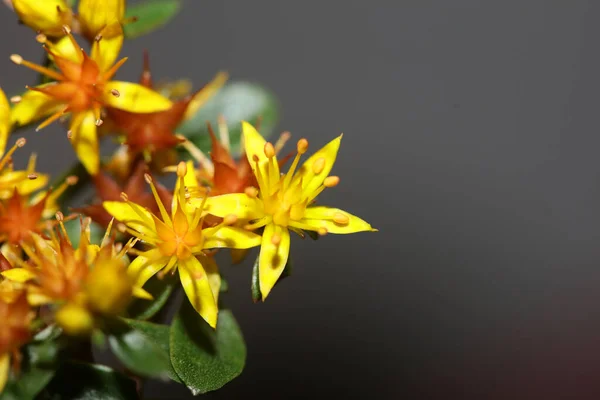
51,277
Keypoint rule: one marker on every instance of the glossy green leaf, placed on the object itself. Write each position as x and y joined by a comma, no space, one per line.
81,381
255,281
159,334
151,15
236,101
161,290
137,351
38,368
206,359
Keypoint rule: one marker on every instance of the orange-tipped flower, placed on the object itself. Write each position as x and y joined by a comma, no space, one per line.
83,87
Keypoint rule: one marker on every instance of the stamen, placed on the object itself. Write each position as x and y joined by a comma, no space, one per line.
115,93
223,132
302,146
124,196
60,217
198,155
16,99
52,118
258,224
181,169
113,70
283,138
32,177
69,134
251,192
163,211
41,38
341,219
318,166
331,181
322,231
230,219
17,59
7,157
269,150
107,233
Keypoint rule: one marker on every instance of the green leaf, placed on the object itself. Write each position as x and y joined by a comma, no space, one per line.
137,351
73,229
159,334
255,282
236,101
160,289
150,15
81,381
38,367
206,359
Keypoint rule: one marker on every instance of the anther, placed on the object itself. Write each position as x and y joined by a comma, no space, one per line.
31,177
331,181
340,218
99,122
118,246
121,227
21,142
276,239
255,158
17,59
124,196
60,217
230,219
302,146
251,192
16,99
69,134
148,178
98,37
71,180
322,231
66,29
318,166
269,150
41,38
181,169
115,93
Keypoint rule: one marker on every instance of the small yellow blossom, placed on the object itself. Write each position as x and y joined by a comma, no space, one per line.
284,202
83,87
178,240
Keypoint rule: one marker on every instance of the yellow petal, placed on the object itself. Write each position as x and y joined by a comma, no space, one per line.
325,156
232,238
141,293
95,15
197,288
145,266
33,106
205,93
46,16
243,206
254,145
5,123
212,271
106,51
18,179
65,48
36,298
4,370
18,275
85,140
132,215
134,98
273,257
332,219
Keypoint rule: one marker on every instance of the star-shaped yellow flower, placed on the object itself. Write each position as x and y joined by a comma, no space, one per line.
284,202
83,87
178,240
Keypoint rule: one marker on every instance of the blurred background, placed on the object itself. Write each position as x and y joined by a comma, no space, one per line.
471,141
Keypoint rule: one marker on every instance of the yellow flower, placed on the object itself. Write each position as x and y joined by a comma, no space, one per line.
9,178
83,87
47,16
283,202
178,240
84,283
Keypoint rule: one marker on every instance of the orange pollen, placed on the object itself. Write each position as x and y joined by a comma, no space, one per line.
276,239
322,231
302,146
269,150
230,219
181,169
251,192
331,181
341,219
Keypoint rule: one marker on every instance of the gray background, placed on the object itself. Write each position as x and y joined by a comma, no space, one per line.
471,141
